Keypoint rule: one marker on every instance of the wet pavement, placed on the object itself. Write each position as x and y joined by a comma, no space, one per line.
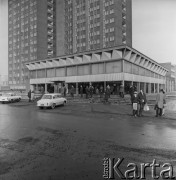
70,142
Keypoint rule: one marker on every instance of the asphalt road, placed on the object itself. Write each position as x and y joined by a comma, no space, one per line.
70,142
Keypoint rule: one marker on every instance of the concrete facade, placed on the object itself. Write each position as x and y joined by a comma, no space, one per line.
170,76
116,66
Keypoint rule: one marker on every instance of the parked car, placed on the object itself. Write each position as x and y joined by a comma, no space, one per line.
9,97
51,100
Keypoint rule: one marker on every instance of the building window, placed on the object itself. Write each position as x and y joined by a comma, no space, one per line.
50,72
113,67
71,71
98,68
83,70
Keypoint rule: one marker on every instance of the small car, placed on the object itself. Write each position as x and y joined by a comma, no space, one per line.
51,100
9,97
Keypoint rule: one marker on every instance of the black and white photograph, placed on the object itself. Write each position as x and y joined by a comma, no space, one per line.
87,89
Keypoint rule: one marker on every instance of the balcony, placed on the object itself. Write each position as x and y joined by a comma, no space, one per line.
50,4
50,41
50,33
50,18
50,11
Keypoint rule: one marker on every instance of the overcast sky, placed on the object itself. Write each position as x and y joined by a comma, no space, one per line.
154,30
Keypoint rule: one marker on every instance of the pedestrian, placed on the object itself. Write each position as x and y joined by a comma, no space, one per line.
142,101
106,97
87,92
160,98
91,90
29,95
108,91
131,92
81,90
135,103
101,91
72,90
65,90
121,91
97,91
62,90
32,96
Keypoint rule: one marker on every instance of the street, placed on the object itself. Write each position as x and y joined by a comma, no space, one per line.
70,142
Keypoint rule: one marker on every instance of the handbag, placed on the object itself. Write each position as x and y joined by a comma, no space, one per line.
135,106
146,107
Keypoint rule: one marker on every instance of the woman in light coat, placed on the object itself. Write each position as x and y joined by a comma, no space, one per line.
160,99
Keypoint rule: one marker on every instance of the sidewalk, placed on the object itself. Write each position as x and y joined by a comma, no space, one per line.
121,108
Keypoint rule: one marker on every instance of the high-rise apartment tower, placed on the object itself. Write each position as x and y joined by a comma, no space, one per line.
94,24
31,36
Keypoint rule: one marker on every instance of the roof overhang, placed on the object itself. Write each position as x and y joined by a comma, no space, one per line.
115,53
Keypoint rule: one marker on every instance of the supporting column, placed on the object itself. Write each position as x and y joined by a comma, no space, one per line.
149,88
77,88
144,87
37,87
104,85
45,87
123,85
158,88
55,88
66,85
138,86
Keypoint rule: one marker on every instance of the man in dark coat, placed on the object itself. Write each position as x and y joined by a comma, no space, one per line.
81,90
142,101
87,92
72,90
131,92
135,102
29,95
101,91
91,90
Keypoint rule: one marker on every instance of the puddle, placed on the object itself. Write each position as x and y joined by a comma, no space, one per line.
27,140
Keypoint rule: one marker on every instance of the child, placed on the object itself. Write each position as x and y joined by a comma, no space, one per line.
135,102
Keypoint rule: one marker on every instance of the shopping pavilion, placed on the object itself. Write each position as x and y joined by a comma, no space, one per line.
115,66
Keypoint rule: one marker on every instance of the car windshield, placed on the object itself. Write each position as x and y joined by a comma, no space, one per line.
47,97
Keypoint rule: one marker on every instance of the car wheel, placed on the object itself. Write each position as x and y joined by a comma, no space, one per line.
64,103
53,105
19,99
40,107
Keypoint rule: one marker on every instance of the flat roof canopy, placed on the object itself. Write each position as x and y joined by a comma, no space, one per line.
115,53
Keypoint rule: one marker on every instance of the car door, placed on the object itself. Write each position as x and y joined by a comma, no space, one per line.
59,100
54,99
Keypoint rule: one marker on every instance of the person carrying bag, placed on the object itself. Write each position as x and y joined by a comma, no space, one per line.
135,103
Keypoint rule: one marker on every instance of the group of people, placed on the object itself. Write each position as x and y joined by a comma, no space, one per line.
90,90
139,103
